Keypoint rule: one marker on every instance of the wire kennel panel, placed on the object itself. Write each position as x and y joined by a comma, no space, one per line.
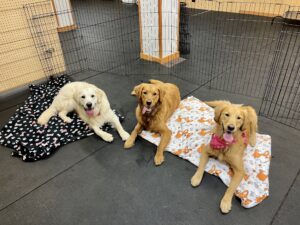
242,47
19,60
250,49
110,34
31,48
281,100
43,29
197,42
59,53
234,47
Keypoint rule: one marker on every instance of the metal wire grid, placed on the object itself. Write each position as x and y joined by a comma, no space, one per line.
281,100
15,49
239,53
30,48
58,53
109,32
255,56
232,51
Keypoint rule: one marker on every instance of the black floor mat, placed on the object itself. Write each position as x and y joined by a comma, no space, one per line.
32,141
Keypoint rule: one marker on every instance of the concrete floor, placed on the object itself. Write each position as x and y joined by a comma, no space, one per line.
93,182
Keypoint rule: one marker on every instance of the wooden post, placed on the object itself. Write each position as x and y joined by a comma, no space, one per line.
159,30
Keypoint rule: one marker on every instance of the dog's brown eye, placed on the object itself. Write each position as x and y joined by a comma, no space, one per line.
82,96
145,92
154,94
227,114
238,117
92,96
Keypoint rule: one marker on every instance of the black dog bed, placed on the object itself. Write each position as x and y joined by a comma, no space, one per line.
31,141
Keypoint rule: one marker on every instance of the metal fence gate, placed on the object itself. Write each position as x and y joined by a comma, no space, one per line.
281,100
236,47
251,55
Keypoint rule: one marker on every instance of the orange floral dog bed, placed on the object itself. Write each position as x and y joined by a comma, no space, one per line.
191,126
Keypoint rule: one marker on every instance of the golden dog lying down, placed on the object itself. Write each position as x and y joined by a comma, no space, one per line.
236,127
157,102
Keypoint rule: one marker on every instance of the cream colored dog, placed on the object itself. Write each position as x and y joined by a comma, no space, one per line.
90,103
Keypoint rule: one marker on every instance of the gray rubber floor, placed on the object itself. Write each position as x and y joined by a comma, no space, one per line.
92,182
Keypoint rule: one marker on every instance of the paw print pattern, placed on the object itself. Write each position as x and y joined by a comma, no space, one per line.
32,142
191,126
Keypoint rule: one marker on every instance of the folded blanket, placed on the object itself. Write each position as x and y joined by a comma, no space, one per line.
191,126
32,141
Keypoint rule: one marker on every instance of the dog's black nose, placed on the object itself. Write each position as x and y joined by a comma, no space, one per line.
148,102
230,127
89,105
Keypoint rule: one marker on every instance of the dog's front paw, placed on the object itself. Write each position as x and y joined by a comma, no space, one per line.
68,120
41,121
196,180
107,137
158,159
252,141
225,205
128,143
124,135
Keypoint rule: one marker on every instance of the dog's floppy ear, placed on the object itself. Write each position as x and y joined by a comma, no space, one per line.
99,95
102,100
218,106
218,111
77,96
162,94
137,90
250,124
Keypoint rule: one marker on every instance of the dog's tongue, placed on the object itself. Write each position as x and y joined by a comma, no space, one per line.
90,112
228,137
145,109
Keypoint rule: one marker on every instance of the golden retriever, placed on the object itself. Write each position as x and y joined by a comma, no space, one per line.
157,102
91,105
236,126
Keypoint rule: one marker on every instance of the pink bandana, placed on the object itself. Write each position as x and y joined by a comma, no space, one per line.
219,143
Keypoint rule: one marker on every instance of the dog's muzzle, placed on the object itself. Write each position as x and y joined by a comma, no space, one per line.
89,109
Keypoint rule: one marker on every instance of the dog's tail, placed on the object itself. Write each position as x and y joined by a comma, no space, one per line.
214,104
155,81
46,115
